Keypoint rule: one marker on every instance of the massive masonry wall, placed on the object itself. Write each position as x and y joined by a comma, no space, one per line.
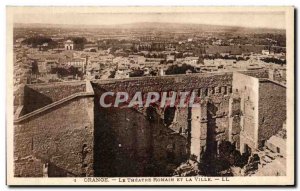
235,115
132,143
272,102
56,142
39,95
247,89
167,83
181,120
197,135
217,123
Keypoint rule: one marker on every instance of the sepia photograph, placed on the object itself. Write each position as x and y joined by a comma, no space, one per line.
150,95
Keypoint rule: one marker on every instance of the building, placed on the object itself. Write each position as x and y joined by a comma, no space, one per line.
265,52
69,45
77,63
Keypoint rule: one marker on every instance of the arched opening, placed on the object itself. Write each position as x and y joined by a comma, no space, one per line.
169,115
150,112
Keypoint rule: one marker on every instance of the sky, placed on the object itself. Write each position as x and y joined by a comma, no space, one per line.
272,19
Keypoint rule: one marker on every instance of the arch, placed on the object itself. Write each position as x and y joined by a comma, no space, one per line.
169,115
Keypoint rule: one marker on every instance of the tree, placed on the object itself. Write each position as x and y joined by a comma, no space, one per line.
74,71
136,73
59,71
179,69
79,42
36,41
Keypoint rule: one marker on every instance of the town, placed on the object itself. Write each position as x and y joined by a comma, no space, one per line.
53,54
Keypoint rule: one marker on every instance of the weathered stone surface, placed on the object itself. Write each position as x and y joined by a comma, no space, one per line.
141,144
28,167
236,127
168,83
62,136
272,102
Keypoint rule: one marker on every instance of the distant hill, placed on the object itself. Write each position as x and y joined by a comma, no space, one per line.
155,25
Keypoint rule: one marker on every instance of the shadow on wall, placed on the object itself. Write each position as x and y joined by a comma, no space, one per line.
55,171
130,143
219,155
34,100
221,164
104,141
169,115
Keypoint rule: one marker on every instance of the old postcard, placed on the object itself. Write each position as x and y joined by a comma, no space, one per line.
150,96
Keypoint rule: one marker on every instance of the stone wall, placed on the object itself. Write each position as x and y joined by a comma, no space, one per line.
272,109
235,119
192,82
132,143
246,87
181,121
217,86
60,138
28,167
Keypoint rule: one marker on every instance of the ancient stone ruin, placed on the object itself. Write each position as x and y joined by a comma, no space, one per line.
61,130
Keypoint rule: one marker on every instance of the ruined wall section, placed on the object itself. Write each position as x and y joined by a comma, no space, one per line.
272,102
199,130
132,143
235,119
58,140
181,121
191,82
219,114
216,88
135,142
247,88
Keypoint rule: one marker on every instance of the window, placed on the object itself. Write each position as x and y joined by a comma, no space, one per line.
278,149
206,92
225,90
